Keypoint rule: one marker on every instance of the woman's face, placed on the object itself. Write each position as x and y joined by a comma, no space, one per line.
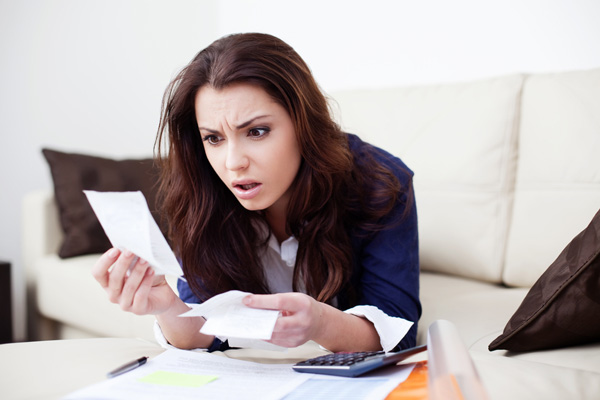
250,142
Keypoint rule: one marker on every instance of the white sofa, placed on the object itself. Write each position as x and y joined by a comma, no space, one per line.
507,172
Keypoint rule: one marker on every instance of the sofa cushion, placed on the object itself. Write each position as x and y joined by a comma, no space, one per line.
583,358
67,293
521,379
558,179
460,141
73,173
563,306
467,304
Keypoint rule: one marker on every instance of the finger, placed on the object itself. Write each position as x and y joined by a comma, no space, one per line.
263,301
283,302
288,339
101,267
140,300
293,323
118,275
132,284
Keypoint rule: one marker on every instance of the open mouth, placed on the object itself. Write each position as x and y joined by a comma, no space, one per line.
248,186
247,191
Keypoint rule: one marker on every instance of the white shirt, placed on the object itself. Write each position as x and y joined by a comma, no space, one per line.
278,262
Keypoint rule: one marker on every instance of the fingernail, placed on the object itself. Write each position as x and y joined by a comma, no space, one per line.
247,300
113,252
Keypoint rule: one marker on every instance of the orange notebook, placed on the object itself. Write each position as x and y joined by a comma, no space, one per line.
414,387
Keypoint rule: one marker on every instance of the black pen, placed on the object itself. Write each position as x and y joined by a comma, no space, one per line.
127,367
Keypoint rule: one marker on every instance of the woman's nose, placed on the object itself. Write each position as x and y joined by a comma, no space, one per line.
236,157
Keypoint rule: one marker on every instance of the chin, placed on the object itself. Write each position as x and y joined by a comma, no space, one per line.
252,205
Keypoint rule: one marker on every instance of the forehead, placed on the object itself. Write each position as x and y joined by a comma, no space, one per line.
233,102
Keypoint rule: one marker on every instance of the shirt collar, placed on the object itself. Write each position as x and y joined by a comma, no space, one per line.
287,251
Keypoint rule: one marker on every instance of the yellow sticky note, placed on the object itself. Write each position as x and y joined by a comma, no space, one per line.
177,379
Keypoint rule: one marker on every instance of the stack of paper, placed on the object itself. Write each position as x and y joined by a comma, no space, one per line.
179,374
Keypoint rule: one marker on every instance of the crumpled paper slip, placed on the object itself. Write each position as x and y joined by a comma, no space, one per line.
227,317
129,225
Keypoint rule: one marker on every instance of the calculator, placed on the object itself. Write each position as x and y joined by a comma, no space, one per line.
354,364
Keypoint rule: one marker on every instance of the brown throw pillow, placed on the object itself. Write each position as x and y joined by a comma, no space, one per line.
73,173
563,307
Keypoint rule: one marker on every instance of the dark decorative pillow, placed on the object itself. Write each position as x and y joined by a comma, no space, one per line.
563,307
73,173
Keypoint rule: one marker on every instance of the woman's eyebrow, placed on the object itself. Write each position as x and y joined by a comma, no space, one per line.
245,124
240,126
214,132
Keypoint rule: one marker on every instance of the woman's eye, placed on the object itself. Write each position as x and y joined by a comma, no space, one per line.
211,139
258,132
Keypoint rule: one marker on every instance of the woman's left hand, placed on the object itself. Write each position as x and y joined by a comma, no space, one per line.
302,317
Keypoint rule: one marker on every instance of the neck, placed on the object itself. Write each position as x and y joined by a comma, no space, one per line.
276,218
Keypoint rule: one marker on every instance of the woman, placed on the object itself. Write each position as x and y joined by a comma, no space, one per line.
264,193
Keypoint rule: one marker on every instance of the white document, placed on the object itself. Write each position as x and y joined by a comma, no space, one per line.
373,386
129,225
236,379
227,317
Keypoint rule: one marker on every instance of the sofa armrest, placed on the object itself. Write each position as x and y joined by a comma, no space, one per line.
42,233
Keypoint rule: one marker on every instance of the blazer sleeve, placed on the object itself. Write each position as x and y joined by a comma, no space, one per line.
386,263
388,266
186,294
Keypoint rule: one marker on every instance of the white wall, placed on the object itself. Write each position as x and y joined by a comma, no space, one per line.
88,75
382,42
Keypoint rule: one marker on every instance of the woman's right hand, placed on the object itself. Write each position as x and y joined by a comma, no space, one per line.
141,291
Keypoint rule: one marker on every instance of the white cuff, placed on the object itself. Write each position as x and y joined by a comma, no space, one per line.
391,330
162,340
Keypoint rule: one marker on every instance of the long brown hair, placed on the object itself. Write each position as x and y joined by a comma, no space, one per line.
215,237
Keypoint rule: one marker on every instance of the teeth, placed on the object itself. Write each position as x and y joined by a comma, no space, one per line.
248,187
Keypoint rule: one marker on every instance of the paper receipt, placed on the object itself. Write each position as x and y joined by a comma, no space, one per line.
129,225
226,316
